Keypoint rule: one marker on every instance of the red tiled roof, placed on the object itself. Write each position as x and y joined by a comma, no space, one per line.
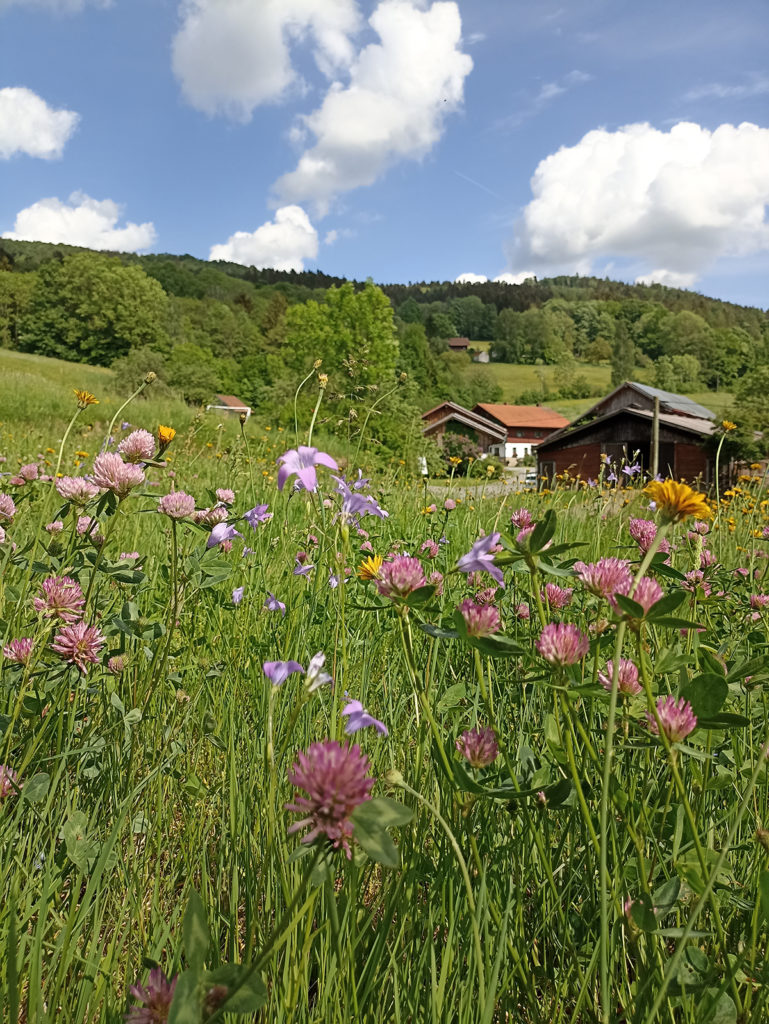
523,415
231,401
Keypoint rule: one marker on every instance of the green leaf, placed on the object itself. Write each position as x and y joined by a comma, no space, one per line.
383,811
36,789
706,694
723,1012
496,646
666,895
251,992
420,596
674,623
195,934
185,1008
81,850
642,913
543,532
451,698
437,632
666,605
763,893
629,607
375,841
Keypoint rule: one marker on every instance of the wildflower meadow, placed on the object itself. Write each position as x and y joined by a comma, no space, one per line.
286,739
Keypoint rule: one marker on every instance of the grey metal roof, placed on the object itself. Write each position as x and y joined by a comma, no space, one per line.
676,403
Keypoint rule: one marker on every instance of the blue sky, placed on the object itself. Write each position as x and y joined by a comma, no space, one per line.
397,139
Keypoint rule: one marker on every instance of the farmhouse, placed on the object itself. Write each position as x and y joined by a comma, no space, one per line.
459,344
621,426
525,427
229,403
453,418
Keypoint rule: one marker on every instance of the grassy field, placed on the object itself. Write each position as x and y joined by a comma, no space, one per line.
183,800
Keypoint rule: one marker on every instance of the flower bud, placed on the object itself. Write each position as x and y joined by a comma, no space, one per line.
150,377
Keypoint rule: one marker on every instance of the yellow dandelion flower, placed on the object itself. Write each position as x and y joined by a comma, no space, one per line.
728,425
369,568
455,460
165,436
85,398
677,501
83,455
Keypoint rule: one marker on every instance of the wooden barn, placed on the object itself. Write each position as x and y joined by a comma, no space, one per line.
448,416
621,426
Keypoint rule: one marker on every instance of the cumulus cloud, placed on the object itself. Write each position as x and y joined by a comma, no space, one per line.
519,278
394,107
28,125
230,56
470,278
675,201
81,221
667,277
283,244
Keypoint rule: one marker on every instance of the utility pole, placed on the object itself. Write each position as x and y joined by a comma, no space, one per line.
656,439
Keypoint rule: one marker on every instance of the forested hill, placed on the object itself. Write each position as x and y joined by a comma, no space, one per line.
207,327
191,277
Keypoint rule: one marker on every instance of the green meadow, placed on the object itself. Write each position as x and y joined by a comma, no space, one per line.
193,829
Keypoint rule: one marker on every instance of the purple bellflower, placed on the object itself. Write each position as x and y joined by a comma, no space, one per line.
301,462
220,533
359,718
272,604
279,671
480,558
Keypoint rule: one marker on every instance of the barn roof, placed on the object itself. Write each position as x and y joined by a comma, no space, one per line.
689,424
523,415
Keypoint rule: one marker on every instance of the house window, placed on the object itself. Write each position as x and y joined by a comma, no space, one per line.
519,433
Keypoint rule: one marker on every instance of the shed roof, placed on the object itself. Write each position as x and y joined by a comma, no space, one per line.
524,415
231,401
689,424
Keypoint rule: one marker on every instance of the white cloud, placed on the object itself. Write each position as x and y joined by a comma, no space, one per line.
675,200
471,279
331,237
667,277
757,85
230,56
82,221
283,244
395,105
28,125
519,278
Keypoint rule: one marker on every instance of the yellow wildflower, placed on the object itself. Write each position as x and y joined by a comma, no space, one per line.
369,568
85,398
165,436
677,501
728,425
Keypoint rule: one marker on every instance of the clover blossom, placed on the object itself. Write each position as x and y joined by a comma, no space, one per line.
113,474
478,746
19,651
627,677
157,996
79,644
400,577
675,716
480,619
336,781
138,446
60,597
561,643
